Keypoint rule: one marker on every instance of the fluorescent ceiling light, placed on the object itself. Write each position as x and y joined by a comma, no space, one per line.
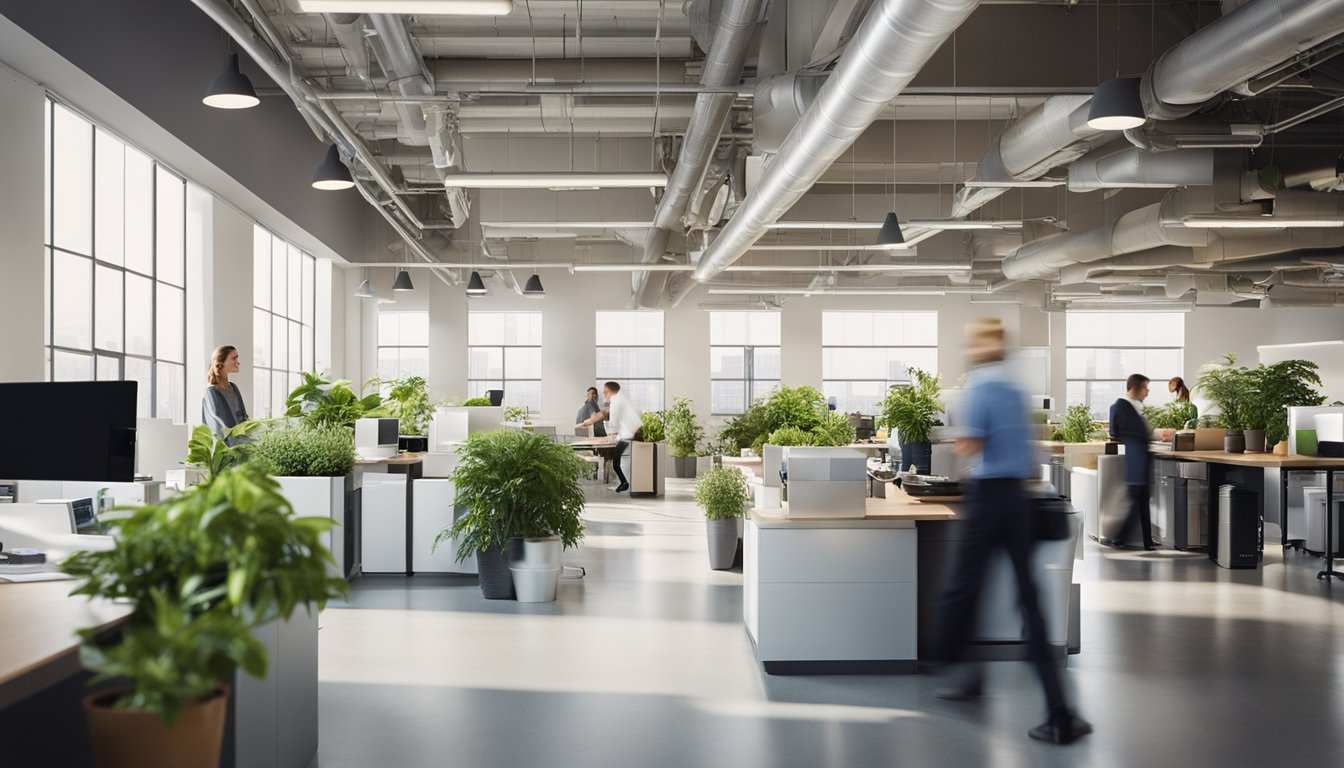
566,224
975,184
416,7
1256,222
563,180
827,291
905,267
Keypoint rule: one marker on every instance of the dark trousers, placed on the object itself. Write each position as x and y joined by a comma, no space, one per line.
1140,514
997,518
621,447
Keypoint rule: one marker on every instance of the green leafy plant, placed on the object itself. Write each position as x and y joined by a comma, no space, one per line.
803,407
515,484
320,402
721,493
654,427
834,430
1231,388
791,436
408,401
1174,415
683,432
913,410
212,455
1078,426
743,431
202,571
1276,387
296,450
476,402
518,413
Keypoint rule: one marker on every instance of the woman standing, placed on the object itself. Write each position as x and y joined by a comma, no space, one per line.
222,408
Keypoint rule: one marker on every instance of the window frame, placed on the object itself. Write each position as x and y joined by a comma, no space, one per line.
748,351
1101,410
381,346
263,398
599,379
504,379
887,383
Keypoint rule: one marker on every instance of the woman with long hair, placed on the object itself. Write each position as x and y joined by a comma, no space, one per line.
222,407
1177,387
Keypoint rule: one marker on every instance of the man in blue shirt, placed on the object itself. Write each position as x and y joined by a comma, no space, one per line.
997,516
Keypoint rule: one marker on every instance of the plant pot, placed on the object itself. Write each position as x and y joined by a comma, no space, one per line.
536,554
536,585
130,738
1255,440
683,466
1234,441
492,566
705,463
722,538
918,455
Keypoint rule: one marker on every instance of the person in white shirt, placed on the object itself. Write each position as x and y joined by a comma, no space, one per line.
624,419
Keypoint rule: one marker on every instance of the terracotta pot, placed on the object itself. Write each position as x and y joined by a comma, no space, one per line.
129,738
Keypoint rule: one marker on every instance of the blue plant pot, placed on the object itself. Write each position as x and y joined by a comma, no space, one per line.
917,454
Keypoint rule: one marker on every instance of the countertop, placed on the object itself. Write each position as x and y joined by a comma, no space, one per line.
895,511
40,647
402,460
1266,460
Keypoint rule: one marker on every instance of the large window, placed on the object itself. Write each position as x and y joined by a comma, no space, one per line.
283,309
630,352
864,353
116,265
1104,348
403,344
743,358
504,352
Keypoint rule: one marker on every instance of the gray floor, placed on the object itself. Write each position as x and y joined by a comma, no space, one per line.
645,663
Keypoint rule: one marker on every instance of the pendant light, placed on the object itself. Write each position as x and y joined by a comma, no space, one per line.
1116,105
475,285
890,233
533,289
332,173
403,282
231,89
365,290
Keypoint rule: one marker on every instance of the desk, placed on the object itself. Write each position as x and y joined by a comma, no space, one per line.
388,514
40,648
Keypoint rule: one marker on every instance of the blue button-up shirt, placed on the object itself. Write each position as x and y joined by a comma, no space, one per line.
996,412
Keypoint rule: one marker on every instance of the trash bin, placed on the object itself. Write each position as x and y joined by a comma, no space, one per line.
1314,499
1238,527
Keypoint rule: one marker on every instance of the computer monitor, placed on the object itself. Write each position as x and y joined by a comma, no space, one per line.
68,430
376,438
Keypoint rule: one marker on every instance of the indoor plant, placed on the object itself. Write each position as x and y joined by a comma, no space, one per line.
407,400
313,465
476,402
1230,388
683,435
1275,388
515,484
722,494
1077,426
319,401
912,412
202,571
648,455
739,433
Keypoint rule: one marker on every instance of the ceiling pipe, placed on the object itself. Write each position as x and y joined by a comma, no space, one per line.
727,56
1236,48
348,29
1128,167
893,43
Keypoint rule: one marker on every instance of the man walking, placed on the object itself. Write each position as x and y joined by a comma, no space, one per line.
624,419
1130,428
997,516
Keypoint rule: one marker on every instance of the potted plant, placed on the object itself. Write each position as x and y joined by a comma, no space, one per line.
722,494
683,435
1077,426
408,401
319,401
648,455
202,571
313,464
476,402
1230,387
740,433
516,484
911,411
1275,388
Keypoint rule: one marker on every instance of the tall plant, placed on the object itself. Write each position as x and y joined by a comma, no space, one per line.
683,431
408,400
721,493
202,571
515,484
320,402
1078,425
913,410
1231,388
1275,388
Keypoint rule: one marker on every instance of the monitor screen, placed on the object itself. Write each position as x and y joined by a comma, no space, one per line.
68,430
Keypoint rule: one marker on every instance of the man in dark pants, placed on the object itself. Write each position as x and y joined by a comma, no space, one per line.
997,516
1130,428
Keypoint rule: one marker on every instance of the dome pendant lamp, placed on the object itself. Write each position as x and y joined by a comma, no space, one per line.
332,173
533,289
231,89
475,285
1116,105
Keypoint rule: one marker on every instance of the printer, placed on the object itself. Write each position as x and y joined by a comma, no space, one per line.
824,482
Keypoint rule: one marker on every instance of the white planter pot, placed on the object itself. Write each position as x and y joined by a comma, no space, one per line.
771,457
539,554
320,497
535,585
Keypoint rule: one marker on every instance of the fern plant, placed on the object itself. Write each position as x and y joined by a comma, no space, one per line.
913,410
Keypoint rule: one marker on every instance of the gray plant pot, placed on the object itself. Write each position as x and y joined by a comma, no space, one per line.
1255,440
1234,441
722,538
496,581
683,466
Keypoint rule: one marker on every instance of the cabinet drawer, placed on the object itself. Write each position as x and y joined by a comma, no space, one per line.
838,555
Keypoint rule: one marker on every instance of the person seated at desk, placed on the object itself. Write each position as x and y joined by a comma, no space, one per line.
590,408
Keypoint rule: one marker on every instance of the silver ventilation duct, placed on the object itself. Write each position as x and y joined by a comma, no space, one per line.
1129,167
736,24
348,29
1234,49
892,44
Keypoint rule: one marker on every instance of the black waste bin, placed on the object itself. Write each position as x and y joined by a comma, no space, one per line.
1238,527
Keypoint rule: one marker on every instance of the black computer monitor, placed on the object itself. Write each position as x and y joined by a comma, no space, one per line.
68,430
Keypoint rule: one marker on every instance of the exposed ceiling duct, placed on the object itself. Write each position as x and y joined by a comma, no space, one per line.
1124,166
736,24
892,44
1234,49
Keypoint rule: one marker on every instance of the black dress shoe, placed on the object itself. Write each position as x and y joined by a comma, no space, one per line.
1064,729
623,487
1149,547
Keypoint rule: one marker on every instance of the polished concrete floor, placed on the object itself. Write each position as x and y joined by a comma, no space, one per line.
645,663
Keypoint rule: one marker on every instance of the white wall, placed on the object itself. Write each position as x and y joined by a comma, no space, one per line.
22,263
